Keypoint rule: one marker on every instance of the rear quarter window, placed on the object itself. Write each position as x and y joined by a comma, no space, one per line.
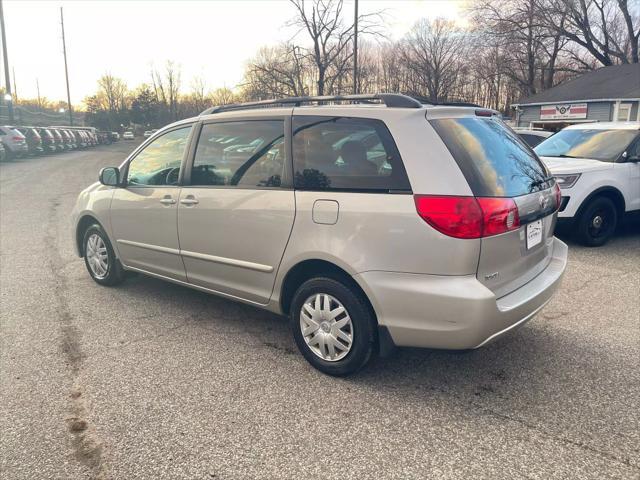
343,153
495,162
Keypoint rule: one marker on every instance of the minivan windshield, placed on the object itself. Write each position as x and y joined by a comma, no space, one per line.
596,144
493,159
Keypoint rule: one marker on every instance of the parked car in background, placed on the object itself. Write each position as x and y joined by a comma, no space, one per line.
34,141
68,140
59,141
104,138
48,140
597,166
532,137
147,133
15,143
75,138
115,136
333,217
128,135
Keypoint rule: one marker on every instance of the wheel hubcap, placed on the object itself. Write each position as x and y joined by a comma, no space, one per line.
326,327
597,221
97,256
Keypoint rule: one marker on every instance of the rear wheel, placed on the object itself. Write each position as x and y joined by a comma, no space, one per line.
332,326
99,257
598,222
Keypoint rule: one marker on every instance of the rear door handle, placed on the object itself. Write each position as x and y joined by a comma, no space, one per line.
167,200
189,201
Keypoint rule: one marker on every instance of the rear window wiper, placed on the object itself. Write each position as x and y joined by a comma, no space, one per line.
538,183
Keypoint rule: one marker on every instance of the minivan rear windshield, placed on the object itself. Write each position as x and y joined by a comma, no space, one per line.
593,143
495,162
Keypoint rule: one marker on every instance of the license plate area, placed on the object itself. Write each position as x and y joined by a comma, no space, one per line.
534,234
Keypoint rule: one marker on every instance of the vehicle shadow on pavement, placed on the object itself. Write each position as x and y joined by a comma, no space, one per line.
552,362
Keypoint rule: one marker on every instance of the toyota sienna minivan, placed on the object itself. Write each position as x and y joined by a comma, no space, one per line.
371,221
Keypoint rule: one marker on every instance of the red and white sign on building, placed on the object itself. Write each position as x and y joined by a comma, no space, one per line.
558,112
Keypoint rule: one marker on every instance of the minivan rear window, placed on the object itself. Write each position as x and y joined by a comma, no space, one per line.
495,162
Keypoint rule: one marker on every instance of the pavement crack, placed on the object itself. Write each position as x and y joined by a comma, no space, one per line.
567,441
87,446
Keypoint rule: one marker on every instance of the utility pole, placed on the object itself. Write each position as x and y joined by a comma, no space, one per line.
7,79
66,70
355,48
38,89
15,89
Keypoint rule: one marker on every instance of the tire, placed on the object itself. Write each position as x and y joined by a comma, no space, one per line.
104,267
597,222
325,333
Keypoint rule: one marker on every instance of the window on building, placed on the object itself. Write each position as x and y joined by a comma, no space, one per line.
624,112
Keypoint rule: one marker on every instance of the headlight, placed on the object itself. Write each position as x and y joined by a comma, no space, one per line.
567,181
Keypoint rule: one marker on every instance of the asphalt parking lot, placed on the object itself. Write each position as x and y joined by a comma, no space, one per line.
153,380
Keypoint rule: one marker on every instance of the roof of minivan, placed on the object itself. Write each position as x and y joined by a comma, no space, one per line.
605,126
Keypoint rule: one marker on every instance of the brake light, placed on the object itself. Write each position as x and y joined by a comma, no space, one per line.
484,113
558,195
468,217
17,139
500,215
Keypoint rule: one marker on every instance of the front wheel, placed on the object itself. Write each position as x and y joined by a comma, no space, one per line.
99,257
598,222
332,326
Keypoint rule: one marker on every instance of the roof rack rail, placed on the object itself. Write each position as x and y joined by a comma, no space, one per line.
426,100
389,99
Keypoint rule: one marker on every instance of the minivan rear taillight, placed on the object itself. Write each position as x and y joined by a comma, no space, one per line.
468,217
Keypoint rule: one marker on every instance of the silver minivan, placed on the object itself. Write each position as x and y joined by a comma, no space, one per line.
371,221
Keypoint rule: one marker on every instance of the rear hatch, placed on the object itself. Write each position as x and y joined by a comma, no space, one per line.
500,167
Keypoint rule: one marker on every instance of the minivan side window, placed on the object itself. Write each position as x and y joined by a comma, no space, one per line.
240,154
159,162
343,153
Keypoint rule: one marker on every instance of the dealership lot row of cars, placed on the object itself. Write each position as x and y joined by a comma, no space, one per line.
21,141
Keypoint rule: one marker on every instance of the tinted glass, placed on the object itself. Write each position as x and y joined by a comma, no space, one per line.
346,153
532,140
495,162
597,144
247,154
159,162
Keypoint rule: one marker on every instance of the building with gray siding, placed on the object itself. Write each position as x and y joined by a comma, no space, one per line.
608,94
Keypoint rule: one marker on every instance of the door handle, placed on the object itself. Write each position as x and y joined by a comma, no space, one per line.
167,200
189,201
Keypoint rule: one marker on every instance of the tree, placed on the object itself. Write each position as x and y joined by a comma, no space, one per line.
144,107
277,72
434,54
608,30
331,52
222,96
112,92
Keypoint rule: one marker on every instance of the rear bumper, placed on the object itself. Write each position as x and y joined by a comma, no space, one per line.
456,312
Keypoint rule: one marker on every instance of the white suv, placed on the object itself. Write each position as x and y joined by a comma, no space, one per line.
597,166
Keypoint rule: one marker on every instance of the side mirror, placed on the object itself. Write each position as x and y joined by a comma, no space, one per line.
109,176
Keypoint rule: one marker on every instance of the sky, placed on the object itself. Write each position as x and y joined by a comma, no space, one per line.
208,39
